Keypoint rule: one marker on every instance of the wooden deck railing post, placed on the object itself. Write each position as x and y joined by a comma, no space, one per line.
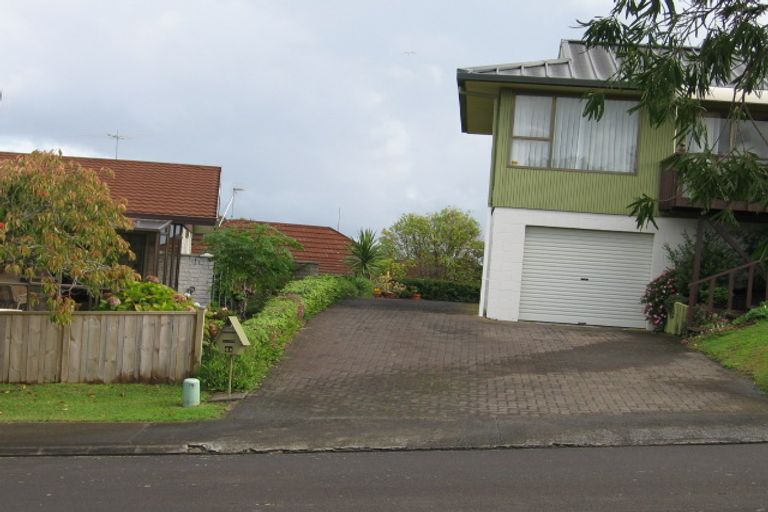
694,292
731,284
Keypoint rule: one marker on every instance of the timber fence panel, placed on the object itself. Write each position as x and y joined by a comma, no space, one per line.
156,346
18,353
33,336
5,347
52,359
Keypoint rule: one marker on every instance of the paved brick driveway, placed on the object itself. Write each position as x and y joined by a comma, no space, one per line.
430,374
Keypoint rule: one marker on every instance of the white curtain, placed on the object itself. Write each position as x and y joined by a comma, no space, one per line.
606,145
716,136
748,137
533,115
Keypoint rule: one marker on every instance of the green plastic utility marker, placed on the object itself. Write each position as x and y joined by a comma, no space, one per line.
190,396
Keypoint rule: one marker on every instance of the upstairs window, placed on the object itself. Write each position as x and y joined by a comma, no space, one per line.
722,134
551,133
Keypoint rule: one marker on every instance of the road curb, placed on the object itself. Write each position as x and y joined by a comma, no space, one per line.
254,449
98,450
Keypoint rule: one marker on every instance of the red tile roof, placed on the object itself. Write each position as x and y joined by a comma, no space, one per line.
322,245
182,192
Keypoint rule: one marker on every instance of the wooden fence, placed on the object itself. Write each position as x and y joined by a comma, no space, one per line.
109,346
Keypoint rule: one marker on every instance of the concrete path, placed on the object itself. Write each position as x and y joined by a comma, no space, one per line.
392,374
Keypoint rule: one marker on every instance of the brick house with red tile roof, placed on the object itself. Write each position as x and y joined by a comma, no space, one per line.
166,201
325,250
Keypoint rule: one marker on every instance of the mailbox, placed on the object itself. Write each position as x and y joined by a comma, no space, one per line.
232,339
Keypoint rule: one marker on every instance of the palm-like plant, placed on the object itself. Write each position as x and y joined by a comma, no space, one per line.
365,254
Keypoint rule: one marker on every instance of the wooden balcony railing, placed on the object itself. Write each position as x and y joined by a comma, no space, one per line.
712,283
672,197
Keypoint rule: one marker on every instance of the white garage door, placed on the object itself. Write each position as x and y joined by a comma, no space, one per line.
582,276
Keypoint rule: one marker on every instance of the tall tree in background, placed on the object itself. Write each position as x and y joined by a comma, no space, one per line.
441,245
365,254
58,225
250,263
673,54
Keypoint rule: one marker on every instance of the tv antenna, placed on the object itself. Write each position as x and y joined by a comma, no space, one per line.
117,138
230,205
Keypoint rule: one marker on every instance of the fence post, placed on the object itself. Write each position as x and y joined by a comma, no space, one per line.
197,350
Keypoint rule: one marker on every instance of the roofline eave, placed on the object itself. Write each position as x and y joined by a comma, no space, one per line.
467,76
178,219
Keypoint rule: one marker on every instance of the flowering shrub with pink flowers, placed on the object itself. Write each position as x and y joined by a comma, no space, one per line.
657,296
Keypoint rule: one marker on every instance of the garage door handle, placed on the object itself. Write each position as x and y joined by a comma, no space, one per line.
585,279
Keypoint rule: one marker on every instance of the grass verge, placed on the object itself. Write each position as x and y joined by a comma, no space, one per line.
100,403
745,350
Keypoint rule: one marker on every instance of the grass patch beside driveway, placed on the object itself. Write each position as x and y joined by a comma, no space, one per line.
100,403
744,350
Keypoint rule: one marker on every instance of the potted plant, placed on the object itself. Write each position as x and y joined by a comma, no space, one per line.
415,294
400,290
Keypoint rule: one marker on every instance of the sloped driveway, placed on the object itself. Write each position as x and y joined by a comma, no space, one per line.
384,374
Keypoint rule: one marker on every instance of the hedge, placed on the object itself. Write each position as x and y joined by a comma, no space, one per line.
274,327
435,289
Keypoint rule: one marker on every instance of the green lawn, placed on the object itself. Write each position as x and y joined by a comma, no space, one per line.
745,350
99,402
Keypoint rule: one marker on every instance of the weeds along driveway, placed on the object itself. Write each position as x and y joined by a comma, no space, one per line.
416,374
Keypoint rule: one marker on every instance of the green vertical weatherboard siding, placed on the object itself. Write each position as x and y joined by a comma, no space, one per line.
575,191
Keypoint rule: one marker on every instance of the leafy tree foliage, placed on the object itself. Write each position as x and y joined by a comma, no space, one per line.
365,254
441,245
673,53
717,256
250,263
57,224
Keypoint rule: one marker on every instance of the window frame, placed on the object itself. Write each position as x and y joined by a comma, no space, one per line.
551,139
759,114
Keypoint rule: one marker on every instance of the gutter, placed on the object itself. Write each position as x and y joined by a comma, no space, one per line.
462,75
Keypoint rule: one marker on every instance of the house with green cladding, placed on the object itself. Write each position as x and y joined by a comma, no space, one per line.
561,246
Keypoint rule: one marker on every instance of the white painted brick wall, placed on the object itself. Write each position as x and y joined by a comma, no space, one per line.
196,271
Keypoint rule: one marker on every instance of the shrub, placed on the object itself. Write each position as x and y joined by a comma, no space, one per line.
58,225
656,298
146,296
436,289
717,256
271,329
753,315
251,262
317,293
268,333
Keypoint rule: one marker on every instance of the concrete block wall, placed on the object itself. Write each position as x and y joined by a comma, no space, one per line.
196,271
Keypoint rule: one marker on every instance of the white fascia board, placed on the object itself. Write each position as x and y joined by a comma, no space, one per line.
725,94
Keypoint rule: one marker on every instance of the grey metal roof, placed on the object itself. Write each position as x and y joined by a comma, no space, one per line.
575,62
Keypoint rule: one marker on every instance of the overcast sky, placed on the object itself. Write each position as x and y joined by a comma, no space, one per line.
311,106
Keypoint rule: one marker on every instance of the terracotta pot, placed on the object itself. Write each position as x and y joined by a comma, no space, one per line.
416,296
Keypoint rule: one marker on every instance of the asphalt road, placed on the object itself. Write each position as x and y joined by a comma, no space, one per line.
695,478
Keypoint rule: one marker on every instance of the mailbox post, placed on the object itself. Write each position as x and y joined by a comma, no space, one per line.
232,341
